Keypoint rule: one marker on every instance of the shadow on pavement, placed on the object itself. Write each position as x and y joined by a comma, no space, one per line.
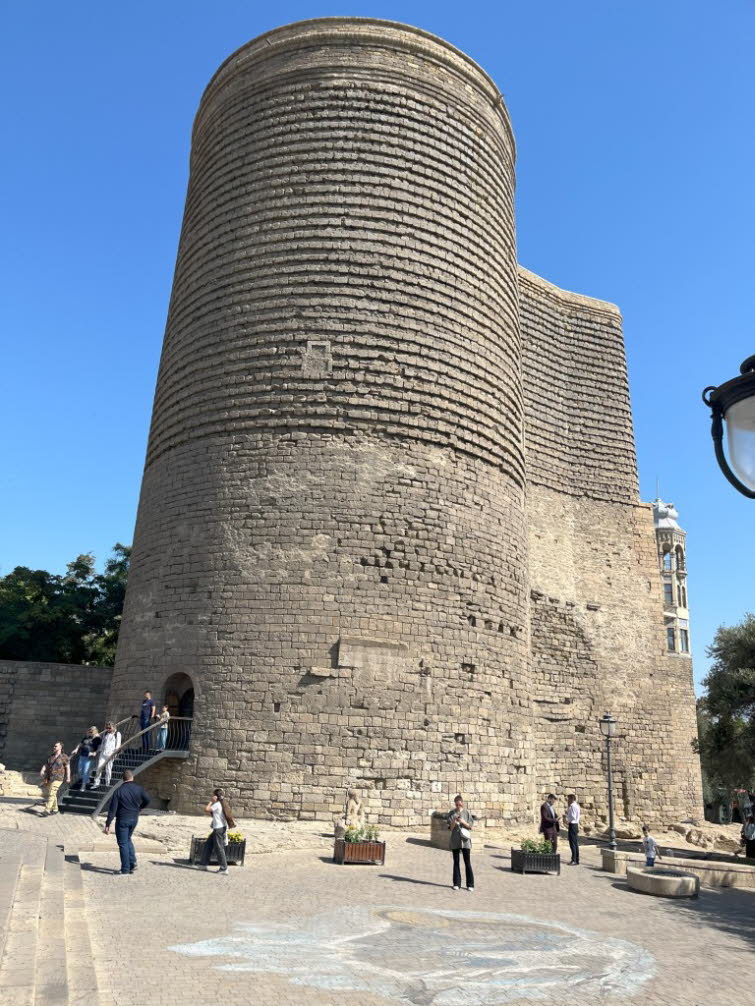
421,841
91,868
178,864
410,880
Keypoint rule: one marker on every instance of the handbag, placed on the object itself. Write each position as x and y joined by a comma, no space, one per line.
465,833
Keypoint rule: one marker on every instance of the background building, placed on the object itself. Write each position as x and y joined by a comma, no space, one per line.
672,557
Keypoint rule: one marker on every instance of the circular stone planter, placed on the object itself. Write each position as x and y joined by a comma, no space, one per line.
663,882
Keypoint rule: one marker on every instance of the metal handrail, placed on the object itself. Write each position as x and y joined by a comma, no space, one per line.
154,725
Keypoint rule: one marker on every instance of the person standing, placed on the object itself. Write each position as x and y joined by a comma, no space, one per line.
146,715
549,822
748,836
162,730
125,805
55,771
222,819
649,846
86,752
571,818
460,823
110,741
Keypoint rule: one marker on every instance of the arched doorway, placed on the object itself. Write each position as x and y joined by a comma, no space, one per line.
178,696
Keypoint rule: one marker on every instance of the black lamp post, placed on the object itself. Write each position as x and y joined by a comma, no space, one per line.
608,729
734,403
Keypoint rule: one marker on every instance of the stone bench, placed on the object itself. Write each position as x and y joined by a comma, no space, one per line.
726,872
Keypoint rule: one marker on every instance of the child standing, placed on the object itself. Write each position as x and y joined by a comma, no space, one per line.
649,846
162,733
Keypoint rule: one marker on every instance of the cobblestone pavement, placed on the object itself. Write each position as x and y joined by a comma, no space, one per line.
398,933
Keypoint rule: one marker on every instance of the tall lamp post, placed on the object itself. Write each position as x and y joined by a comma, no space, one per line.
608,729
733,403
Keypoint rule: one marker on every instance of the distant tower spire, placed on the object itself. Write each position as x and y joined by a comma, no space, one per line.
672,557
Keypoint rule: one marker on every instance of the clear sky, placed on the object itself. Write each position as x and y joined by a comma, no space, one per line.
636,169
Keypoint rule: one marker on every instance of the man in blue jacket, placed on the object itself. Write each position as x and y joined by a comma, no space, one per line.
125,805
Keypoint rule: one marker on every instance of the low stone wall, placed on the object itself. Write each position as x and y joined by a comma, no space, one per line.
724,871
41,703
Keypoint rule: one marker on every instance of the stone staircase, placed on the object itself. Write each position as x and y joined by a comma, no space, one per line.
46,955
130,755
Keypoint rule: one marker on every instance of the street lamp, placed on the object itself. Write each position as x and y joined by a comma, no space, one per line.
734,402
608,729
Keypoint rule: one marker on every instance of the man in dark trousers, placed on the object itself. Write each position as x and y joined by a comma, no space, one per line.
146,715
125,805
549,821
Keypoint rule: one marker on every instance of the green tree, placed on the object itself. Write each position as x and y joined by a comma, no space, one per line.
726,713
72,619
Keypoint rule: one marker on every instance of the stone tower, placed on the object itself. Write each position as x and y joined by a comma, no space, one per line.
672,559
332,552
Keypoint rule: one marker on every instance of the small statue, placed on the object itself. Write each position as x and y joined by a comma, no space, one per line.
353,816
354,810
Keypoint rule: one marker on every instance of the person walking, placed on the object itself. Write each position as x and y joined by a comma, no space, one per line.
649,846
222,820
146,715
86,753
125,805
109,744
748,836
571,819
460,823
162,729
549,822
55,771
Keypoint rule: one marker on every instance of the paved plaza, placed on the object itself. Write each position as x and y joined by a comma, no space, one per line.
292,927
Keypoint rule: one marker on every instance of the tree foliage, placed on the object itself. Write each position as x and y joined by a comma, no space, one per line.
70,619
726,714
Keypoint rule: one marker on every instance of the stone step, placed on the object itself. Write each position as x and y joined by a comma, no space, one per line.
83,987
51,978
9,874
17,969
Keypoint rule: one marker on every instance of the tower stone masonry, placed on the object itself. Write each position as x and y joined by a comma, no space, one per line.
389,529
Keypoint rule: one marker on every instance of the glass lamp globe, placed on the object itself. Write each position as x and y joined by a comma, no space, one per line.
740,437
608,725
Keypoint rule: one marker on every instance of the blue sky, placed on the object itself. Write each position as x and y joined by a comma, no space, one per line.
636,160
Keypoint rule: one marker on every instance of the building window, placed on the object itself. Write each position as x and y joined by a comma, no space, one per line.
679,557
671,640
667,561
683,597
684,640
668,593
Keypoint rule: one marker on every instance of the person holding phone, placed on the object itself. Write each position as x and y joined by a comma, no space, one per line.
460,823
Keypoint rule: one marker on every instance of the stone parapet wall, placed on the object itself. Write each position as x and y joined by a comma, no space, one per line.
43,702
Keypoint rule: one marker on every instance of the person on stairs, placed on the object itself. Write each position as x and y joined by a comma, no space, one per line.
86,752
125,804
146,716
55,771
222,820
111,741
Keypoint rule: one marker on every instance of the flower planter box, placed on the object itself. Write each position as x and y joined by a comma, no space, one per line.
359,852
535,862
234,852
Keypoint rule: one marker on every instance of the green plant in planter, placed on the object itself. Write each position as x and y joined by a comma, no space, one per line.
368,833
537,846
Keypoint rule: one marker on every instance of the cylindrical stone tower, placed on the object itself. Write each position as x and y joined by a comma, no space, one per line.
331,547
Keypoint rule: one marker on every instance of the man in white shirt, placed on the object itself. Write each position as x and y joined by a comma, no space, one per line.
571,818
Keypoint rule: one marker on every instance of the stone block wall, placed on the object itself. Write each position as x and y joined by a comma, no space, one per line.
389,523
41,703
331,539
596,616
